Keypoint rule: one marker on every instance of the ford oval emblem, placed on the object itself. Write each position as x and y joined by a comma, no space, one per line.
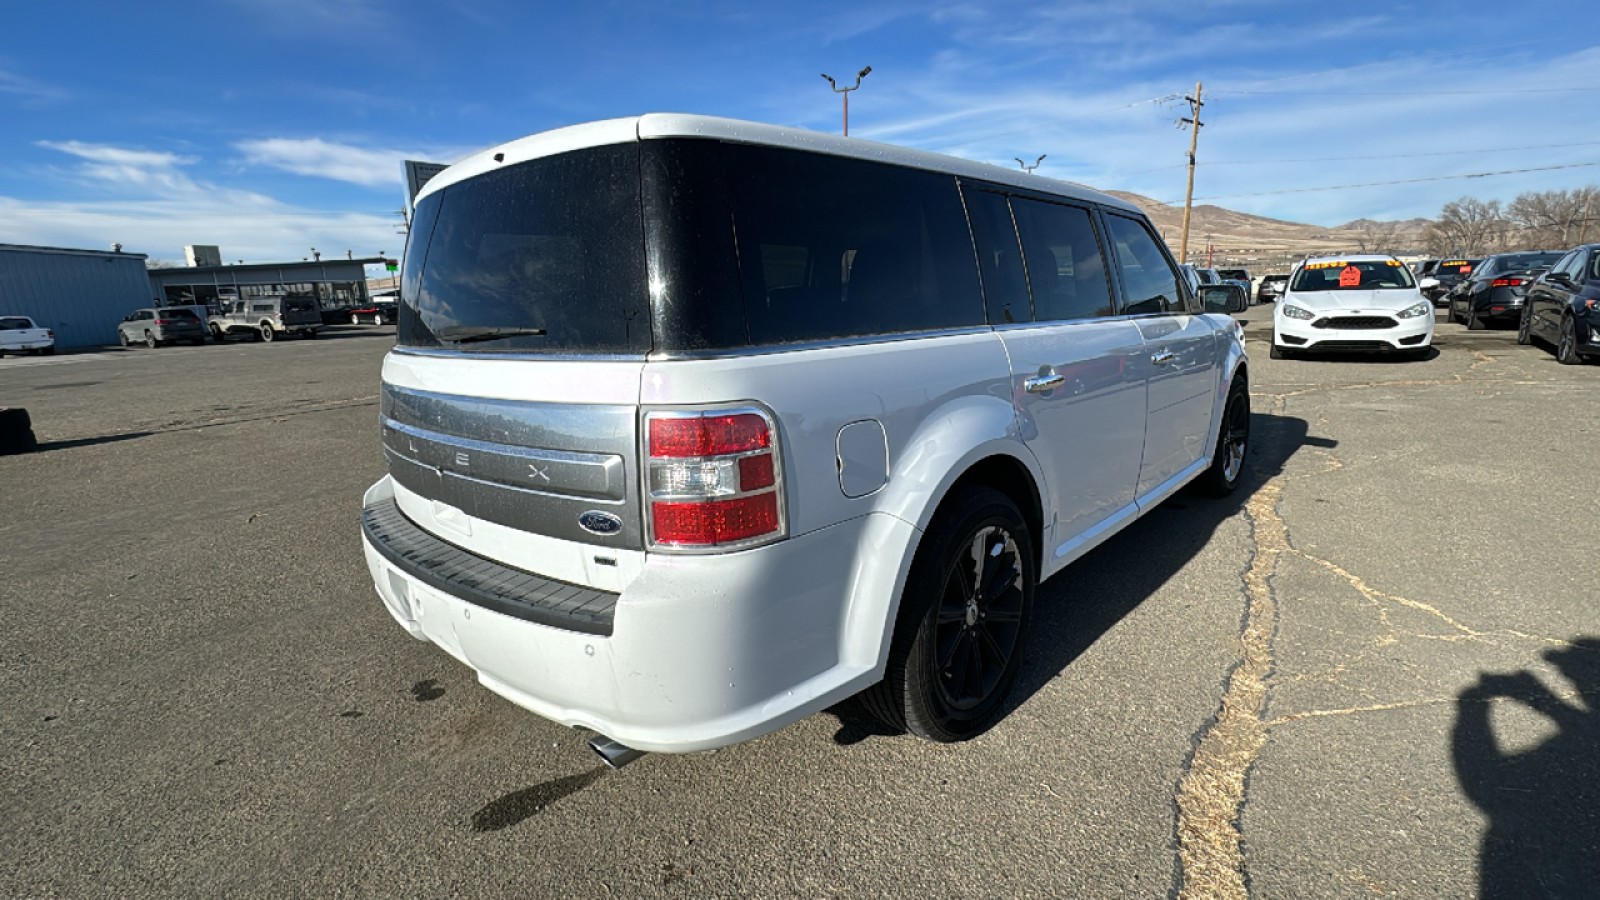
596,522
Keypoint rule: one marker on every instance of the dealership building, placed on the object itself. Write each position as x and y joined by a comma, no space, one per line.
81,295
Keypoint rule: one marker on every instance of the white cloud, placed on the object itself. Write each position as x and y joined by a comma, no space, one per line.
154,207
340,162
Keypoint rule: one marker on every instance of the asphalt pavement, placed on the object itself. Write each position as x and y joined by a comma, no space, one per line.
1375,670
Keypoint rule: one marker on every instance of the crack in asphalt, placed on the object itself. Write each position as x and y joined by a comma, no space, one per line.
1212,792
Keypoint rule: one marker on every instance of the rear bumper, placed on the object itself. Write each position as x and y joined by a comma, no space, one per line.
702,651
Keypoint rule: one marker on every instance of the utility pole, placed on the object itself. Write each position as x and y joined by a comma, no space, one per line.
1194,140
845,92
1027,168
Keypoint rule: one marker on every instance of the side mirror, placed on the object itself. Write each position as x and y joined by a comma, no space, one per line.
1558,278
1224,298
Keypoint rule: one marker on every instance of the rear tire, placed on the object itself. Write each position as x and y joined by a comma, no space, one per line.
266,333
1233,444
963,621
150,341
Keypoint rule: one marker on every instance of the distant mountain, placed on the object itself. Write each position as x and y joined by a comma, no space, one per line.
1239,237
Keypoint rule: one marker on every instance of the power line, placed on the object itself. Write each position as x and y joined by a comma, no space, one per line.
1322,159
1553,90
1341,187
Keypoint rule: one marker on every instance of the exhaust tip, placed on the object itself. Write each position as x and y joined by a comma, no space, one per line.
613,754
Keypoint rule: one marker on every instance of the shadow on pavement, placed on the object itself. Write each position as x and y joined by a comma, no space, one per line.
1092,595
1543,803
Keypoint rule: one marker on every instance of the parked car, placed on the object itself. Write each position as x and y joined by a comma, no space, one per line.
19,334
1344,303
634,479
1563,307
381,312
266,317
157,327
1493,293
1271,288
1445,276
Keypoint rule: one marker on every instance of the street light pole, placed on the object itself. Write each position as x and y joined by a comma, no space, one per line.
1027,168
845,93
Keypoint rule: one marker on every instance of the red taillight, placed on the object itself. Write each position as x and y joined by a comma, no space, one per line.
708,435
716,521
1508,282
712,479
165,322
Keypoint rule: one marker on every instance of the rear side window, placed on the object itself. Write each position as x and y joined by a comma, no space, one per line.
817,246
541,256
1149,284
1065,269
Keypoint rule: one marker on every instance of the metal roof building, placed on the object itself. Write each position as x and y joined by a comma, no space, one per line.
79,294
338,284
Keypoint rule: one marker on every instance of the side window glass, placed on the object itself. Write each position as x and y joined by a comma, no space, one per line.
832,247
1593,272
1065,269
1005,286
1149,285
1567,263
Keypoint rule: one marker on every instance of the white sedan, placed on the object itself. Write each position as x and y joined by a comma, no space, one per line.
1345,303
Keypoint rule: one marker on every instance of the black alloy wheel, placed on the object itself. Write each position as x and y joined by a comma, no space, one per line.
963,619
1567,349
1233,443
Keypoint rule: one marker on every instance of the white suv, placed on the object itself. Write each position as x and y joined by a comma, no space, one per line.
695,427
1351,303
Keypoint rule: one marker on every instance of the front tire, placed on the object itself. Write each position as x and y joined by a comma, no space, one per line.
1525,326
1567,347
1473,322
963,619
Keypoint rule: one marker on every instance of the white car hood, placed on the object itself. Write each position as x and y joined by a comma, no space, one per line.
1385,300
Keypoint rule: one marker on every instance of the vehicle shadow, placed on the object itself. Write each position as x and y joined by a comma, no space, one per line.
1091,596
46,446
1543,802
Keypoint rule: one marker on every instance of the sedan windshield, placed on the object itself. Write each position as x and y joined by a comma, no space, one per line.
1364,275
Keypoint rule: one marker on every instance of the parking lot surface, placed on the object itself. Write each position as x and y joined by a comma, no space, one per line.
1374,670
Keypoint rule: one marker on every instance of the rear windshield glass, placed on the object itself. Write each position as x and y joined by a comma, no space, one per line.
542,256
14,324
300,304
1234,274
186,314
1520,262
1366,274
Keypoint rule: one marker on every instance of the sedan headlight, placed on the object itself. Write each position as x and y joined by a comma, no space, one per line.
1295,312
1416,309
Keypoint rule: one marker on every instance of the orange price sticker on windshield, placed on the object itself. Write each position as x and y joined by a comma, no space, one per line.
1349,276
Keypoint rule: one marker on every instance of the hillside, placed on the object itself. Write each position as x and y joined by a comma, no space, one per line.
1245,238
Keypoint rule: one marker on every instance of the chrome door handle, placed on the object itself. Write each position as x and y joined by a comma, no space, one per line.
1164,358
1041,383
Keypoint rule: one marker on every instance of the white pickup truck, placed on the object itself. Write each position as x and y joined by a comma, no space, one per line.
19,334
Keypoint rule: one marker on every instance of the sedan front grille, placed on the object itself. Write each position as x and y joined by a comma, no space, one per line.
1356,323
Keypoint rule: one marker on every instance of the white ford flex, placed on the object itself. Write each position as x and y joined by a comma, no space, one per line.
695,427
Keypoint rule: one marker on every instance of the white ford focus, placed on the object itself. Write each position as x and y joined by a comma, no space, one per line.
1345,303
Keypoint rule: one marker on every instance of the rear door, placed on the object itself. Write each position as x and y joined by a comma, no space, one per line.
1075,368
1180,359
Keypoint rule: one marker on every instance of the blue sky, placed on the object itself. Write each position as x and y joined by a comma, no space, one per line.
271,127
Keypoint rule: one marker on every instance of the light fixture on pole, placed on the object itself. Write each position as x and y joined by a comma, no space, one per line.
845,93
1027,168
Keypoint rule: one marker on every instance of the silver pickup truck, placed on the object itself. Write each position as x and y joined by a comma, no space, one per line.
19,334
268,317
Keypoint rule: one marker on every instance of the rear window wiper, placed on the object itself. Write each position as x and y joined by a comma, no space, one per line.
467,334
